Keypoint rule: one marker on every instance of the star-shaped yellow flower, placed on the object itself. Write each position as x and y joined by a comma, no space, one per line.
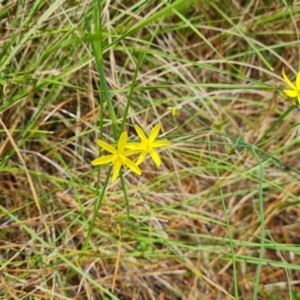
118,157
295,89
147,145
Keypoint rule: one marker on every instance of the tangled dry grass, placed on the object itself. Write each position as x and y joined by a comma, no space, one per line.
218,220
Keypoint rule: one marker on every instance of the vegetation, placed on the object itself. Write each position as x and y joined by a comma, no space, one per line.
214,213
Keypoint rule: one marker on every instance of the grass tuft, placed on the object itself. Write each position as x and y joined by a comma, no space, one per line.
218,219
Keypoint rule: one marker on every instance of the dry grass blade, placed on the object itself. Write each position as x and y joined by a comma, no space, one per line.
30,182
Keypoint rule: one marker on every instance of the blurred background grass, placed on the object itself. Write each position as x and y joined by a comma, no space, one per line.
219,219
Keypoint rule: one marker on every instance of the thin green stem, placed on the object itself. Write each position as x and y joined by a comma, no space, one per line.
98,54
231,243
262,225
96,211
125,193
141,58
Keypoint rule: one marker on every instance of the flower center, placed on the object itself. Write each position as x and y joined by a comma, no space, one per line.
146,145
119,159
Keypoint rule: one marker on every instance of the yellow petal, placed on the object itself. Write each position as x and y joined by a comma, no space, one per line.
132,166
160,143
154,133
106,146
102,160
122,142
288,81
135,145
299,99
132,152
290,93
116,172
174,112
155,158
298,81
140,132
141,158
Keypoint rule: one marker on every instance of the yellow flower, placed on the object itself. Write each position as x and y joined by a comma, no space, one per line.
118,157
174,111
147,145
295,89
